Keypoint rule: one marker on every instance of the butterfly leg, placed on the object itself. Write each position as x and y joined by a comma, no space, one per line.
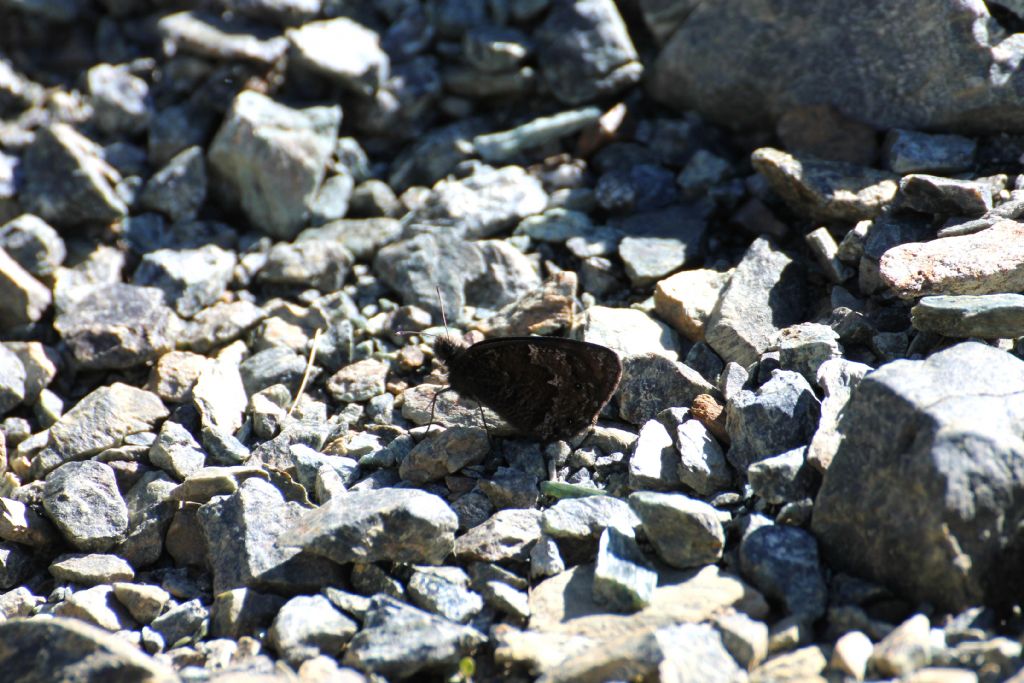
433,404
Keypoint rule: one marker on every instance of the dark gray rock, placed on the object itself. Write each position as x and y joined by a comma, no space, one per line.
82,500
685,532
783,478
488,273
766,293
17,564
837,378
510,487
910,151
506,535
374,199
435,154
117,327
690,72
242,612
184,624
485,203
276,365
309,626
906,448
395,525
445,453
782,414
322,264
652,383
658,243
262,144
12,380
220,324
782,562
640,187
101,420
359,381
805,347
369,579
75,648
177,190
21,524
190,279
948,196
66,182
398,641
583,519
361,237
176,451
585,51
986,316
623,581
247,536
33,243
444,591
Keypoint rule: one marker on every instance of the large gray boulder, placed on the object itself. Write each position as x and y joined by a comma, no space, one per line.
745,62
926,490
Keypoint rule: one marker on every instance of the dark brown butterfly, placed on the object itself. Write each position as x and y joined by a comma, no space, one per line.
545,387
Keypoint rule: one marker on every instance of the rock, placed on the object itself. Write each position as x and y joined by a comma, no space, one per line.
684,532
246,535
243,611
934,194
987,316
309,626
825,190
176,452
851,654
361,68
144,602
23,299
654,462
183,624
82,500
90,570
276,365
485,203
219,395
910,151
652,383
818,130
21,524
359,381
40,364
97,606
686,300
209,36
362,238
177,190
444,591
397,640
906,649
813,46
702,463
117,327
76,649
12,380
220,324
782,414
191,279
782,561
66,181
16,564
805,347
320,264
511,488
657,243
986,262
584,519
766,293
782,478
506,535
826,253
630,332
744,637
623,582
284,148
34,244
396,525
101,420
856,520
585,51
507,144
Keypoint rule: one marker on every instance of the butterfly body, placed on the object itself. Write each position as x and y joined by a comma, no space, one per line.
545,387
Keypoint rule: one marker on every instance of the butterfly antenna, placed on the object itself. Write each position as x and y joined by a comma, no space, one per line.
440,303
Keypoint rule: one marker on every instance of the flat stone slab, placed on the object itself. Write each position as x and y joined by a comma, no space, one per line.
989,316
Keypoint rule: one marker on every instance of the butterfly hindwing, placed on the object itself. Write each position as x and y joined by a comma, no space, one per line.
547,387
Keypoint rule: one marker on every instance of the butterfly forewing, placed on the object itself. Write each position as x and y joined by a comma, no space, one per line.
546,387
